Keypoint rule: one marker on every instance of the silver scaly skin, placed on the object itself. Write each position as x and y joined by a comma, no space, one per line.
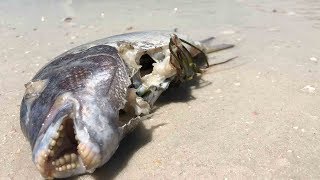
75,110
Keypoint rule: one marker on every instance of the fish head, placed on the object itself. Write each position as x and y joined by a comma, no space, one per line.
72,131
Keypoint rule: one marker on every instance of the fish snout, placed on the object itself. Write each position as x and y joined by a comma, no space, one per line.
63,147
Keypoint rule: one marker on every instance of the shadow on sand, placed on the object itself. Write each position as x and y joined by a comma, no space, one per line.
141,136
181,92
128,146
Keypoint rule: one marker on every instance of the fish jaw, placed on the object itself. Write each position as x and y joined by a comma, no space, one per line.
75,143
55,150
70,110
61,154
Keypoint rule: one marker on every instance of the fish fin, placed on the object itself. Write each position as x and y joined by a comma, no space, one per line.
207,40
214,48
209,48
130,126
222,62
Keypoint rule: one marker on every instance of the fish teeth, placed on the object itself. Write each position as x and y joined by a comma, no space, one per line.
51,153
61,127
64,167
90,158
57,162
41,160
43,157
73,157
62,161
81,147
67,157
56,135
53,143
83,150
73,165
66,162
95,160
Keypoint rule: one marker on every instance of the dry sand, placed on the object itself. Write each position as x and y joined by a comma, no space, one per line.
257,116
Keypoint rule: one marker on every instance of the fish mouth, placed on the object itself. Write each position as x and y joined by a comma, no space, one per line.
64,154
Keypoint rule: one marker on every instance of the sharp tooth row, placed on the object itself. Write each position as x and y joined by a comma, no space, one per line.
42,158
68,167
56,141
59,133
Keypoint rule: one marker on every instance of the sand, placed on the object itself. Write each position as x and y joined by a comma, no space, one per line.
255,117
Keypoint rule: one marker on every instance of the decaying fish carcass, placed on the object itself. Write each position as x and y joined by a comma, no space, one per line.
78,107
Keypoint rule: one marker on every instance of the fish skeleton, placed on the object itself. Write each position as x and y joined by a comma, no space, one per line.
79,106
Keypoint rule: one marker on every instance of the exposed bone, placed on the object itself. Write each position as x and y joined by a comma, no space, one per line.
164,68
136,103
130,54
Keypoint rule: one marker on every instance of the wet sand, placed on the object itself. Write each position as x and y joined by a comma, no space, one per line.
257,116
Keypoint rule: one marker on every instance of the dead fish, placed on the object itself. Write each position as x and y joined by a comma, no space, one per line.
78,107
